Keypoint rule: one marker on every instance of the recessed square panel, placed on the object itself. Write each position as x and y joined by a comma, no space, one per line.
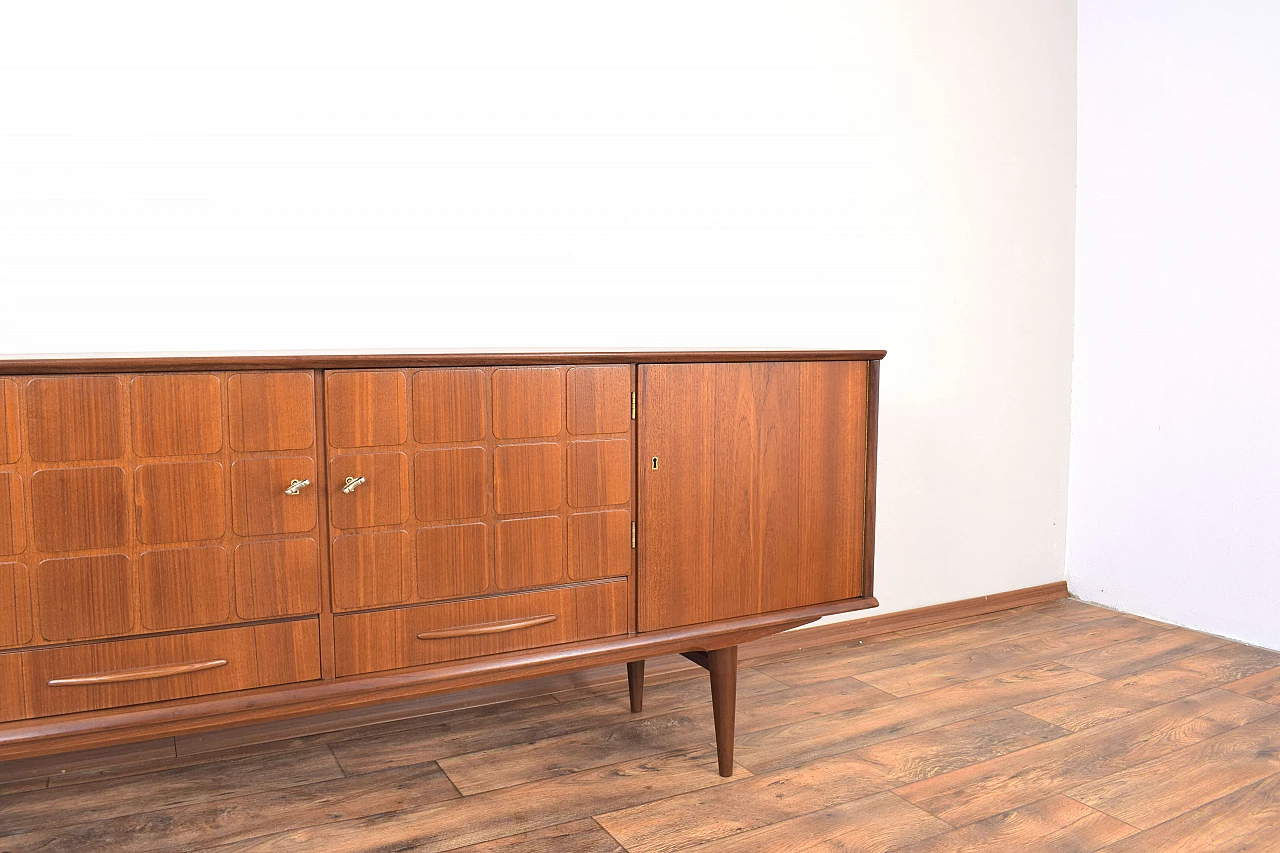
15,605
180,502
371,569
527,478
277,578
599,472
10,434
13,525
450,483
453,560
369,489
599,399
177,414
366,408
261,498
85,597
75,509
600,545
448,405
74,418
184,588
530,552
271,411
528,402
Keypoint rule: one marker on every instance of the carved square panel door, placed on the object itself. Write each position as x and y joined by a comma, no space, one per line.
484,480
135,493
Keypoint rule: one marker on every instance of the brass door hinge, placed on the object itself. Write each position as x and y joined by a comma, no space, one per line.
633,534
633,405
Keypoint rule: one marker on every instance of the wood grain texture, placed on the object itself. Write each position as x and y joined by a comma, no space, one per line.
382,499
15,605
451,483
453,560
368,642
13,520
1174,784
176,414
239,646
676,498
598,399
600,472
75,509
371,569
277,578
102,588
75,418
449,405
1206,792
489,486
528,402
528,478
10,429
271,411
758,500
366,408
184,587
180,502
986,789
260,502
1244,820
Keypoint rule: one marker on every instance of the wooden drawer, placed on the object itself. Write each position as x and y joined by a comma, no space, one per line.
432,633
151,669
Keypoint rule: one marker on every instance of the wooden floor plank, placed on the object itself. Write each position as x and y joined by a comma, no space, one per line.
93,801
958,667
1246,821
748,804
1116,659
632,735
1263,686
840,661
1073,610
206,824
1056,824
579,836
876,824
1179,782
1232,662
498,814
796,743
1114,698
71,763
1059,727
449,737
986,789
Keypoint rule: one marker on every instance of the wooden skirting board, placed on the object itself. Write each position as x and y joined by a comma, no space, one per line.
794,640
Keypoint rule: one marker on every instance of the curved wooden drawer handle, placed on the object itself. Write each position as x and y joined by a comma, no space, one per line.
488,627
140,674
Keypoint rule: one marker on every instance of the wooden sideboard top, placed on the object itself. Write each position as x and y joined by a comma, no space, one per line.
337,360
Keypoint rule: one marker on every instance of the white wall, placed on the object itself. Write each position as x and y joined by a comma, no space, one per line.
585,175
1175,463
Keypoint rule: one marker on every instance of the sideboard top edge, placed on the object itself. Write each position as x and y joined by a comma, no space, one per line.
34,365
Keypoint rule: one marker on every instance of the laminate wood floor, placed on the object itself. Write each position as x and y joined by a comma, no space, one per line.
1058,727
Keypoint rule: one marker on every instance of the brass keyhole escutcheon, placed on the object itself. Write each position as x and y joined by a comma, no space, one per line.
655,463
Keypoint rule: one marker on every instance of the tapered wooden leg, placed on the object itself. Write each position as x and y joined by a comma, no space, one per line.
723,664
635,684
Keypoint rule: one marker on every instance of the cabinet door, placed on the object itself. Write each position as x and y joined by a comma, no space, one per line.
123,498
477,480
752,488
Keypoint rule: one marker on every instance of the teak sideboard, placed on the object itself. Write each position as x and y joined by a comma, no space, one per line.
189,544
